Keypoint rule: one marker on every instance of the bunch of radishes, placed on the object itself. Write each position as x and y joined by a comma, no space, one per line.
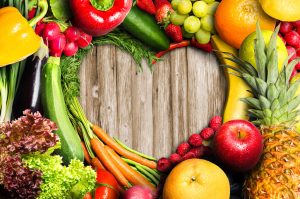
290,33
59,42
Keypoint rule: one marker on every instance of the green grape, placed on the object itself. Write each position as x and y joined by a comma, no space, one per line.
200,9
177,19
192,24
202,36
207,23
175,3
184,7
212,7
185,34
209,1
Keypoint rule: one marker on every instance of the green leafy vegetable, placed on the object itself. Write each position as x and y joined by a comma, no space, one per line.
62,182
60,9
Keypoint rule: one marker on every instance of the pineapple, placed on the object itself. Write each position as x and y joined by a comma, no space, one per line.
274,107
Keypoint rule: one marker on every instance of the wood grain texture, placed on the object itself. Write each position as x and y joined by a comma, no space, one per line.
152,111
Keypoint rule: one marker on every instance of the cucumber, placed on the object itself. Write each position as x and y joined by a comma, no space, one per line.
54,107
144,27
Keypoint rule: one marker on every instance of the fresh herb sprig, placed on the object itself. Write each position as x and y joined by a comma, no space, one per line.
128,43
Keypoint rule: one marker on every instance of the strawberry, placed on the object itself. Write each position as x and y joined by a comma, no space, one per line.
159,3
147,6
183,148
163,13
174,32
215,122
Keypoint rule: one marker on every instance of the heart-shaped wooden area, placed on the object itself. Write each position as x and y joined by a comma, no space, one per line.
152,112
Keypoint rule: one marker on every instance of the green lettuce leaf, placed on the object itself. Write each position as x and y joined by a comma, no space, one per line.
60,181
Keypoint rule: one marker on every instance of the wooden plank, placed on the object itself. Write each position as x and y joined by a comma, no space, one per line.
125,72
106,72
162,108
142,135
178,71
89,92
206,88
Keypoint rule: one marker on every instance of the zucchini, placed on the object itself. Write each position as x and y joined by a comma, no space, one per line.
55,109
144,27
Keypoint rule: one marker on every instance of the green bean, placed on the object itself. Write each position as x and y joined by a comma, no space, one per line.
133,151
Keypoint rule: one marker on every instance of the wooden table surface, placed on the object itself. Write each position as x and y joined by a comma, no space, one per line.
152,111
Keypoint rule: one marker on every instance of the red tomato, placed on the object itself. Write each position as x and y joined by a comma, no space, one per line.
107,185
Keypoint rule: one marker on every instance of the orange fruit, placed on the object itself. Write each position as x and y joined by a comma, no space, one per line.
236,19
196,179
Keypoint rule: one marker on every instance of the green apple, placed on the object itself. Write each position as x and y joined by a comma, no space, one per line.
246,51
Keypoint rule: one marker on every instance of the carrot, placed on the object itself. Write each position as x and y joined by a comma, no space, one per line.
107,161
133,176
86,154
120,150
97,164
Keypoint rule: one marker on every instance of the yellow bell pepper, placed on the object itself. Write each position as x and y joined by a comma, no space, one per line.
17,38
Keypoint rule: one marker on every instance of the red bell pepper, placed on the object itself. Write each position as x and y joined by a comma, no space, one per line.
99,17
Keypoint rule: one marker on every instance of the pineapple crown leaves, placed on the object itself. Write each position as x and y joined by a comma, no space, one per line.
274,98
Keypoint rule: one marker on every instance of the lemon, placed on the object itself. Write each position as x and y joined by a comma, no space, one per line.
247,48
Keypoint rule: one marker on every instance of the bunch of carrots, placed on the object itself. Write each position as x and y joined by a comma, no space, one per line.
102,151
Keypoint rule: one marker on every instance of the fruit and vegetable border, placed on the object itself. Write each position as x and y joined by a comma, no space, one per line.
49,148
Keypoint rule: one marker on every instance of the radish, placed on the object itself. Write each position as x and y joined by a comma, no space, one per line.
138,192
72,33
70,49
84,40
51,31
57,45
39,29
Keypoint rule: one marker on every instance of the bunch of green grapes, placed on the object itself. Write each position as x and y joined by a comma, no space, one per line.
195,17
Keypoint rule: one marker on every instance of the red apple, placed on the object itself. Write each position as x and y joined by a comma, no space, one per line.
238,144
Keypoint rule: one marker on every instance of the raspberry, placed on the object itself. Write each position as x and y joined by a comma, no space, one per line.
183,148
175,158
207,133
215,122
189,155
195,140
197,151
164,165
